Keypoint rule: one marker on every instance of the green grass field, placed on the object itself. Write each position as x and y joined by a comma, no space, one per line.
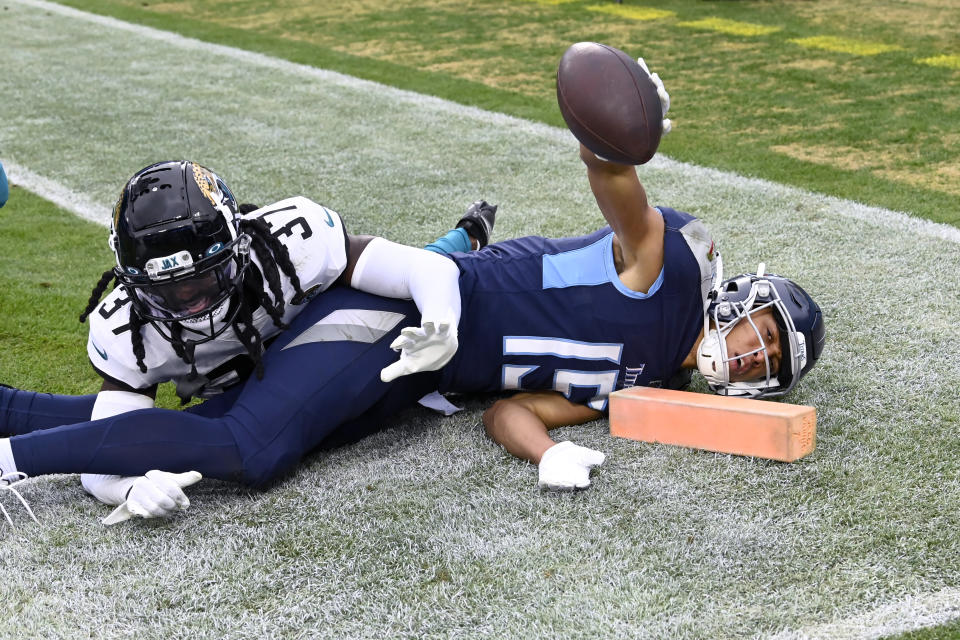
852,99
429,530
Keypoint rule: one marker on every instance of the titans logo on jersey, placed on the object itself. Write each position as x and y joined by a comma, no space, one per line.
316,241
553,314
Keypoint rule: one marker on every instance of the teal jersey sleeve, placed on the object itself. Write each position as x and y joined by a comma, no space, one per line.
4,190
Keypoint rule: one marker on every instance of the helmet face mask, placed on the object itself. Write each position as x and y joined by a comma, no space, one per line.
196,296
740,299
179,252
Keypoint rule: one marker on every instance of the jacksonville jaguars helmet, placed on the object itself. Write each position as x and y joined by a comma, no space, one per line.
797,316
179,251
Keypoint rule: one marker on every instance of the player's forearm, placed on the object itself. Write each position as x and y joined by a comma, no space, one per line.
397,271
596,164
516,427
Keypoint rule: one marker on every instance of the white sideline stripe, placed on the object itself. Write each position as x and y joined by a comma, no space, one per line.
76,203
877,216
909,614
895,220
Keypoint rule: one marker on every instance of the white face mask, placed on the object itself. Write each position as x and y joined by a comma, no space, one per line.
713,360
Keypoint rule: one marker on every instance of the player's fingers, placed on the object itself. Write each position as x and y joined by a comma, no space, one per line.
160,496
662,94
424,343
667,126
401,342
393,371
588,457
187,478
120,514
412,333
643,65
559,483
593,459
180,480
172,490
138,509
429,328
582,483
145,507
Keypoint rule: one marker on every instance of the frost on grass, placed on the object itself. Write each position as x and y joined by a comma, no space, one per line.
428,529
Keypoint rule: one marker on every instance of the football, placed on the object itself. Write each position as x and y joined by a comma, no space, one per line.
609,103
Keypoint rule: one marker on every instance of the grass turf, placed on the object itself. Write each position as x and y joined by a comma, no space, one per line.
949,631
858,104
428,529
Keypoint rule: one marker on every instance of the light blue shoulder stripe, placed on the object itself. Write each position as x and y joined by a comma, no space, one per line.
591,265
585,266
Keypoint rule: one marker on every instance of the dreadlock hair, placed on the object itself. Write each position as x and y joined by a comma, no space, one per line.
98,290
273,257
272,254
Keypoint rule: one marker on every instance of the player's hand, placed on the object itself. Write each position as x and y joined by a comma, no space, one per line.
155,495
662,93
566,466
424,348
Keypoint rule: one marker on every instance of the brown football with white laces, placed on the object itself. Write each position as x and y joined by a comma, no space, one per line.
609,103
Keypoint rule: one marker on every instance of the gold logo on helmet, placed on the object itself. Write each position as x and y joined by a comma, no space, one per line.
208,184
117,208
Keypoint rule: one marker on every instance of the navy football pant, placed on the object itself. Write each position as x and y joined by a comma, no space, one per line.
322,376
26,411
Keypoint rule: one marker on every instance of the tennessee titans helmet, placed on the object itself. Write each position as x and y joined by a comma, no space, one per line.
798,318
179,251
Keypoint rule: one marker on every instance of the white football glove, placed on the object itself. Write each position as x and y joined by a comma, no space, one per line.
566,466
424,348
662,93
154,495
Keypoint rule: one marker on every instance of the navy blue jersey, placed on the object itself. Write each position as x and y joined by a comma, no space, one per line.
553,314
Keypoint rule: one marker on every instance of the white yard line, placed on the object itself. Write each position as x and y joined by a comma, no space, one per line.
76,203
909,614
895,220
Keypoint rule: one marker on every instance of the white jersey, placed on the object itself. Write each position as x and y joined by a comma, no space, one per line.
316,241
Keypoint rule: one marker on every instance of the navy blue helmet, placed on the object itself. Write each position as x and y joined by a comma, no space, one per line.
797,316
